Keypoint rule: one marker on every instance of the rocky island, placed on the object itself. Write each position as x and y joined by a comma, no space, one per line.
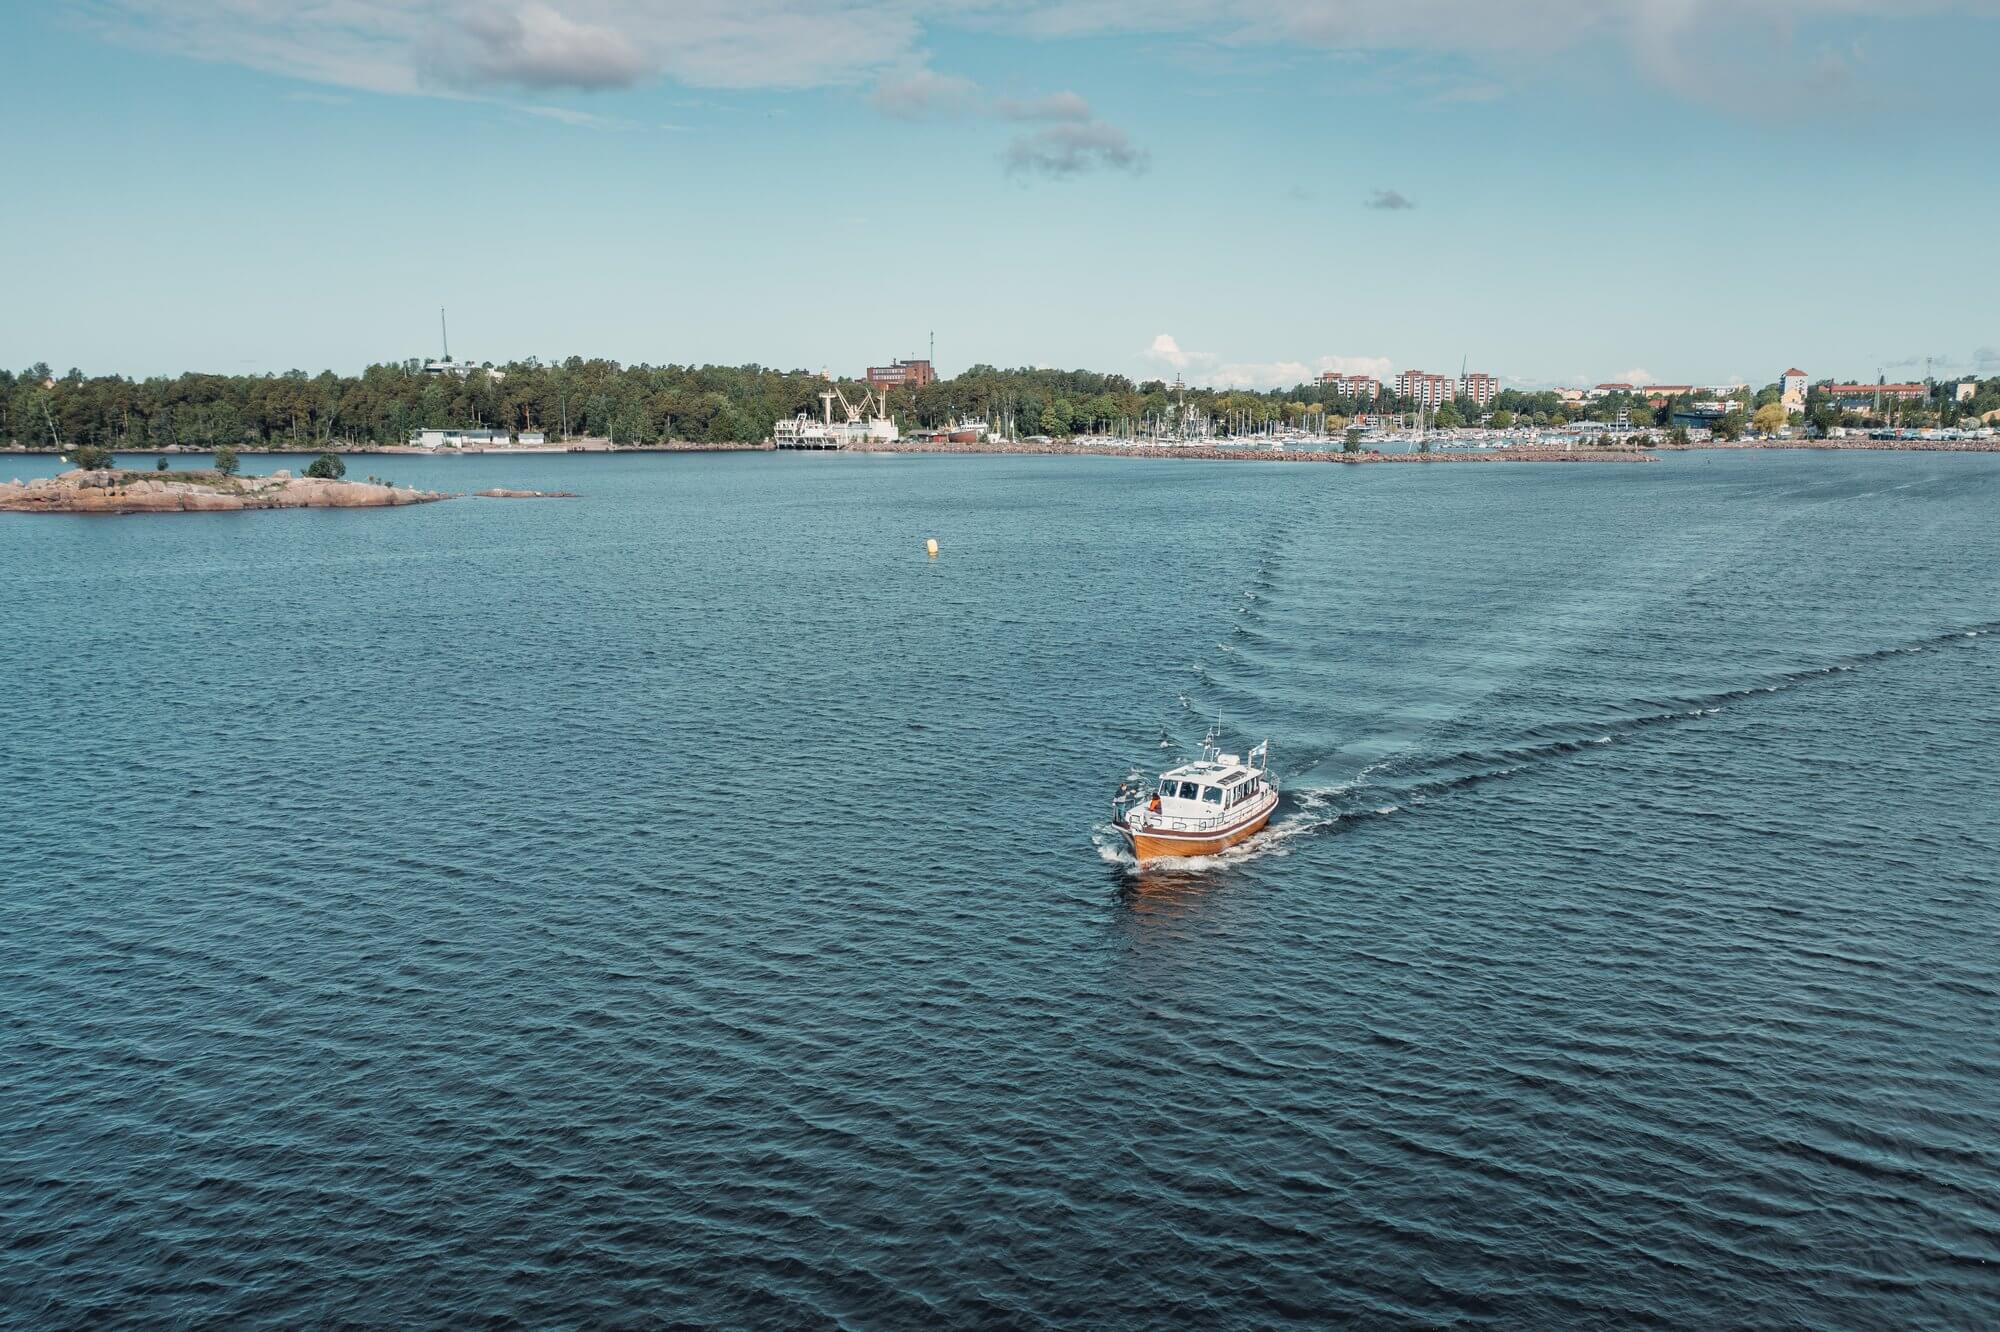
113,490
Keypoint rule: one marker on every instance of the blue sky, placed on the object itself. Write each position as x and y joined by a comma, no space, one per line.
1682,190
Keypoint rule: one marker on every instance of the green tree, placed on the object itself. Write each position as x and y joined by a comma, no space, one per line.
160,464
1730,425
327,467
1053,422
1352,442
1503,420
92,457
1769,419
225,461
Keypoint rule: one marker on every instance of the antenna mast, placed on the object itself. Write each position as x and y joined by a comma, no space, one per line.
444,334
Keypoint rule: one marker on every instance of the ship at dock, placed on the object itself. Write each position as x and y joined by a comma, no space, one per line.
863,424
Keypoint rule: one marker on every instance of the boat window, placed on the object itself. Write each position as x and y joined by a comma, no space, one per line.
1212,794
1190,790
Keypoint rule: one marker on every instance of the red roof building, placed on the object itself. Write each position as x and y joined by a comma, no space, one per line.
901,374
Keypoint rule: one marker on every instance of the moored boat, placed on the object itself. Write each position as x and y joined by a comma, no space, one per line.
1199,808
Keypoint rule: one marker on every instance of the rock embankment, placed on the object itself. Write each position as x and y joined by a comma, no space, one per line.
1212,454
112,491
526,494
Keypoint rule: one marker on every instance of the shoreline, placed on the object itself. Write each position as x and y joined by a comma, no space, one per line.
1061,448
1206,453
1843,446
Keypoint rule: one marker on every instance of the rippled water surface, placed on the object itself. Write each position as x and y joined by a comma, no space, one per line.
690,903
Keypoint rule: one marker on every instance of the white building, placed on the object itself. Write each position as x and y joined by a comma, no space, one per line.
1363,388
462,369
475,439
1792,390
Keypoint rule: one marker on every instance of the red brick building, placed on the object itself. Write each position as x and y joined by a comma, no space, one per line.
1425,390
1480,388
901,374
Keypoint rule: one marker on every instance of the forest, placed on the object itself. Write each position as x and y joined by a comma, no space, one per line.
648,404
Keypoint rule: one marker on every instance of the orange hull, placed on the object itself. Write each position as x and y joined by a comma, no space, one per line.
1159,846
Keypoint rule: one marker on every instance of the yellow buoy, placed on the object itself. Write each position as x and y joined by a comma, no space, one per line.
930,547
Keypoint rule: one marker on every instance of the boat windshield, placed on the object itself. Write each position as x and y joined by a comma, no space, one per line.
1212,794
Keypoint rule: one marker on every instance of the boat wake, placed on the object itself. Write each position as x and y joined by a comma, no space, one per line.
1406,782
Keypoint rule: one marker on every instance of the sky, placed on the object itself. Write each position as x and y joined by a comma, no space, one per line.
1243,192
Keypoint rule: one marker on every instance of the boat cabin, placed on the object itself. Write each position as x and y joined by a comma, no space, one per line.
1206,789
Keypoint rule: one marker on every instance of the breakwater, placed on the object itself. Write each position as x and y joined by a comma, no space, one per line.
1209,453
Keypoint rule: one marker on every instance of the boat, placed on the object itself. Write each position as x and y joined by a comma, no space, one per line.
967,430
1199,808
868,422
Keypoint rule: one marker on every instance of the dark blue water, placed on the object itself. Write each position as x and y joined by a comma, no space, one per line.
690,904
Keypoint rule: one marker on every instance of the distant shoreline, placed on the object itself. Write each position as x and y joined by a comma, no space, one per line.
1844,445
1053,449
1205,453
1062,448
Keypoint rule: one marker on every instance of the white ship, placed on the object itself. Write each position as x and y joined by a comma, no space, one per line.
867,422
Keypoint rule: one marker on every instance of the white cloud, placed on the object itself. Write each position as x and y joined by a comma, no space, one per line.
1072,139
1071,149
1056,106
1168,351
566,115
1691,46
925,94
445,47
1634,377
1761,57
532,46
1210,369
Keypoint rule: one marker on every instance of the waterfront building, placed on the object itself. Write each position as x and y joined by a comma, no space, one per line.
901,374
433,438
1362,388
1425,390
1606,390
1965,390
1480,388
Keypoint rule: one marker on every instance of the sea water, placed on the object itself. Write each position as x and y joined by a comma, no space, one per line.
690,902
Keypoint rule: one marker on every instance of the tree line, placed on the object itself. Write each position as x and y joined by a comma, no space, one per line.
648,404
